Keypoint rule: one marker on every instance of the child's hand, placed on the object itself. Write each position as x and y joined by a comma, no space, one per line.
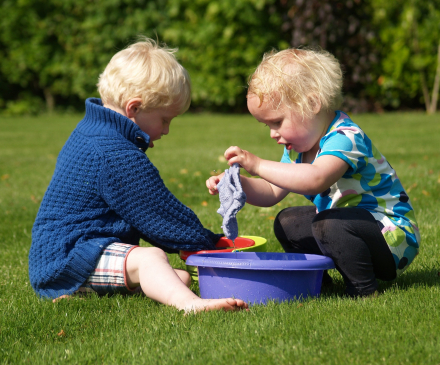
212,183
244,158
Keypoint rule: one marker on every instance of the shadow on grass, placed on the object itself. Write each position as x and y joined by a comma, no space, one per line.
426,277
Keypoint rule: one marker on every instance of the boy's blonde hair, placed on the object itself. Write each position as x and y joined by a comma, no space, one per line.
148,71
299,79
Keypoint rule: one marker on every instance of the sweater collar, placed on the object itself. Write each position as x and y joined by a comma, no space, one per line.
101,120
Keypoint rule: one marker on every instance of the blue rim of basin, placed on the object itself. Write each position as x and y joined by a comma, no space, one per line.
262,261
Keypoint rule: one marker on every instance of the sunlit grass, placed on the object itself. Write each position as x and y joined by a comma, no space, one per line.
400,326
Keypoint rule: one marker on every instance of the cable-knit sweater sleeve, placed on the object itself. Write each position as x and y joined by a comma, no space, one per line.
132,187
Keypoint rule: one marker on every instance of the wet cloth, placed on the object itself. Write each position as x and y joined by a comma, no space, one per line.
369,183
232,199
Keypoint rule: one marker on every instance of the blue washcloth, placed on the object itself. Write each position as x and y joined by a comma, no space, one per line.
232,199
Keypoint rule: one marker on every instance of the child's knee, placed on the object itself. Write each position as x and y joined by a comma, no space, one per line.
278,227
326,230
281,222
155,253
325,224
143,255
184,276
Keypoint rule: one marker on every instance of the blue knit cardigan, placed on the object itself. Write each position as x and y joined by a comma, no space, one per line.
104,190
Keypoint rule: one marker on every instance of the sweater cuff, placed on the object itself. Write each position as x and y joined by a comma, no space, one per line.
214,237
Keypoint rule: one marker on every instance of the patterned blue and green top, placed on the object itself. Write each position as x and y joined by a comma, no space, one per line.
370,183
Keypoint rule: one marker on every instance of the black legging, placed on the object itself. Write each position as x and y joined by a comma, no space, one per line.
350,236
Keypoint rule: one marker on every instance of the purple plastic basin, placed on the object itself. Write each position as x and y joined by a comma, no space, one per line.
257,277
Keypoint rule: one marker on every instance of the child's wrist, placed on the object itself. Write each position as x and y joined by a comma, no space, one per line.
257,166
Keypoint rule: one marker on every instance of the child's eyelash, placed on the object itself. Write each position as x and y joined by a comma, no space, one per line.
273,123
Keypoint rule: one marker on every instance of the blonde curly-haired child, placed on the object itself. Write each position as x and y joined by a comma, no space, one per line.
362,217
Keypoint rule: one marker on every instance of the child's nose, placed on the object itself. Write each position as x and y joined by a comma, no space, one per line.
273,134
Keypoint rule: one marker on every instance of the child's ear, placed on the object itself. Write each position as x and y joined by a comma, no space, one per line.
314,103
133,107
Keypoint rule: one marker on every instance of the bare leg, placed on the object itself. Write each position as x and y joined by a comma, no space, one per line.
149,268
184,276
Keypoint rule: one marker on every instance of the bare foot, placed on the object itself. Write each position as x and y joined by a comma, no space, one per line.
202,305
61,297
76,294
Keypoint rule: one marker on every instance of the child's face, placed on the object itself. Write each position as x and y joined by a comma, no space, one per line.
156,122
287,127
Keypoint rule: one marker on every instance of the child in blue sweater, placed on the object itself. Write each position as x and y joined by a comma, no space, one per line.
361,215
105,194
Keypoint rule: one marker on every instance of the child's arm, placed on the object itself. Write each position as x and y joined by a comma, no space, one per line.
304,178
259,192
278,179
132,188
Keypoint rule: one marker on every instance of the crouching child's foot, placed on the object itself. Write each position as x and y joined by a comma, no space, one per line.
68,297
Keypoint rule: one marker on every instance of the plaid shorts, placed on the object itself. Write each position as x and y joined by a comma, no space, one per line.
109,275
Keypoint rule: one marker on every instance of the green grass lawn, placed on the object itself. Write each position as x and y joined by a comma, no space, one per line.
401,325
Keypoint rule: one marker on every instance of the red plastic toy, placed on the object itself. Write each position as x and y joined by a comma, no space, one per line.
223,245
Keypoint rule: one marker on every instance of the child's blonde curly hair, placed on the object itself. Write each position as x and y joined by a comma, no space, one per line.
305,80
148,71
